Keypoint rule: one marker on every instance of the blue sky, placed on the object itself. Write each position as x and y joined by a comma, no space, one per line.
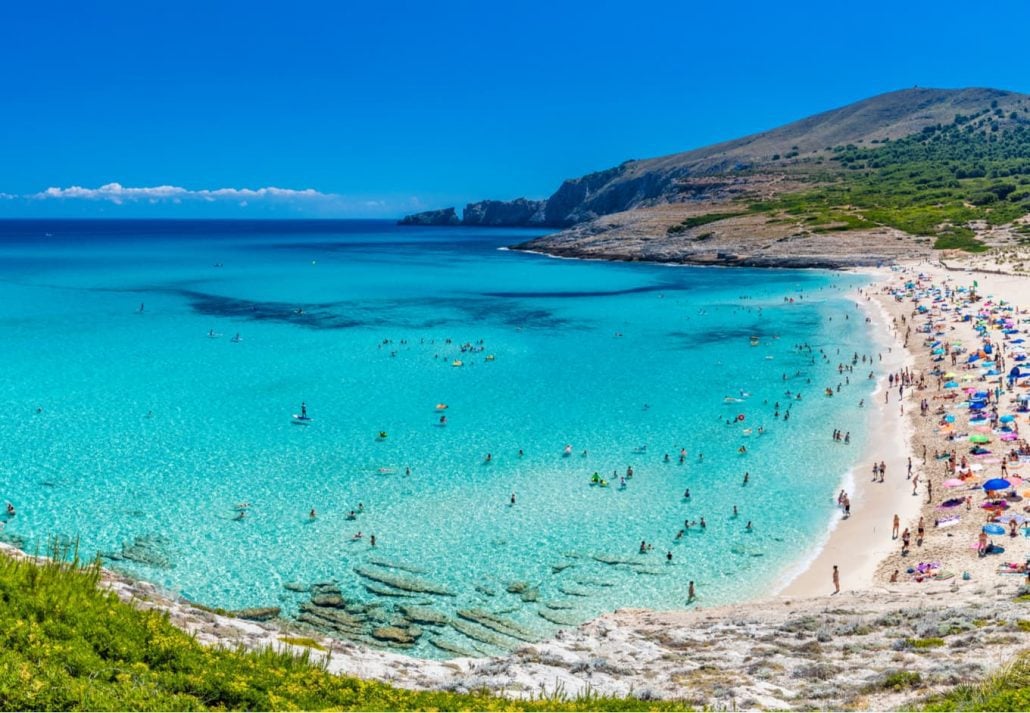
381,108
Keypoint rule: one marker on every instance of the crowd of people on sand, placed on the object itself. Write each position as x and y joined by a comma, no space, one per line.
970,389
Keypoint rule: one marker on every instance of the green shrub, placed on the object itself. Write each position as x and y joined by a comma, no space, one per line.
66,645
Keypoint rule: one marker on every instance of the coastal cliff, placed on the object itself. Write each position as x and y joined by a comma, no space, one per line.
444,216
819,192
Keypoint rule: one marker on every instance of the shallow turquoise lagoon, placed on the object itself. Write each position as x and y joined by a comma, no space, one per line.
151,431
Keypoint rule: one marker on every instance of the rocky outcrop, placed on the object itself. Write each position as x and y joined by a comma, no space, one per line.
518,212
444,216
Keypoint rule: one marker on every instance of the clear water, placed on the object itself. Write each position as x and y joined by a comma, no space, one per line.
152,429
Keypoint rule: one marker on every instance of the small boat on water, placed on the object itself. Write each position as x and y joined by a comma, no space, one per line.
754,341
457,362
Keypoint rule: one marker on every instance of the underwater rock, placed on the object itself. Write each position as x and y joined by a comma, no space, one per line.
148,550
296,587
561,618
256,613
516,587
386,564
614,559
334,601
496,623
396,635
381,591
480,635
573,591
558,605
423,615
530,595
451,648
407,584
485,590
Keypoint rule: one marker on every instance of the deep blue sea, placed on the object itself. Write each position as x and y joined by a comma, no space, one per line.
138,433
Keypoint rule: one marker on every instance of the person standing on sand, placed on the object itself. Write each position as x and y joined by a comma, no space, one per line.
896,528
836,580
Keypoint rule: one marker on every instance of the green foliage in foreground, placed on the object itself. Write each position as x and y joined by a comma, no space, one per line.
64,645
931,184
1008,690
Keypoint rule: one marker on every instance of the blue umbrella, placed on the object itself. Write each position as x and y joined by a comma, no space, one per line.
996,484
951,385
1007,418
949,418
993,529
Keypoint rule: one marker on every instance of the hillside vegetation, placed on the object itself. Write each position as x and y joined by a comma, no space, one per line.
934,183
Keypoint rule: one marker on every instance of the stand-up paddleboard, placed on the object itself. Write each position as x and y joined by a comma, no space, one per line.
302,420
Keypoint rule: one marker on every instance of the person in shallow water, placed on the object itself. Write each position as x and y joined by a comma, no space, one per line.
312,515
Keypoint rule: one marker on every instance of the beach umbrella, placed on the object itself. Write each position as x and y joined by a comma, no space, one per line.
949,418
1007,418
996,484
992,529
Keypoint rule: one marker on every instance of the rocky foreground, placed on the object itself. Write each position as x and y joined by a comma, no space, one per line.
877,649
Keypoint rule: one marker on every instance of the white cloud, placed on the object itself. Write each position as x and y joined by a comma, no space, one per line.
118,194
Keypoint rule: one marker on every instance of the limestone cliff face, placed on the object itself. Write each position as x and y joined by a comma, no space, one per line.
445,216
520,211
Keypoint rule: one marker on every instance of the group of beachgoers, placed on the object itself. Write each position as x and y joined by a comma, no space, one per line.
963,389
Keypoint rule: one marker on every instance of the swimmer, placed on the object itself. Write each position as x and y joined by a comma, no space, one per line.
747,475
352,515
240,515
361,507
372,540
668,556
513,499
358,535
141,308
666,457
488,458
629,471
568,449
443,420
686,494
734,511
520,453
312,515
742,450
702,523
748,526
10,510
643,547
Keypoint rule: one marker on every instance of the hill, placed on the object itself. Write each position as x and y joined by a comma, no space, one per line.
900,173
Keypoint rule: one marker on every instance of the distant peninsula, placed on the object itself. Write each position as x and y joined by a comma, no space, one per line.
896,176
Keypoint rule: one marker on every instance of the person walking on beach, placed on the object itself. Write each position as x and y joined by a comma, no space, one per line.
836,580
896,528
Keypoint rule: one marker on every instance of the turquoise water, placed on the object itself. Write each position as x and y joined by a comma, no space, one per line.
151,432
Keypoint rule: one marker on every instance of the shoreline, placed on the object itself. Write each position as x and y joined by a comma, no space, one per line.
857,544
